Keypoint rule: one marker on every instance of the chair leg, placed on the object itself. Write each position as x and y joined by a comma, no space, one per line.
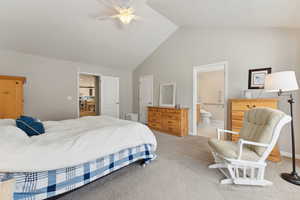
261,173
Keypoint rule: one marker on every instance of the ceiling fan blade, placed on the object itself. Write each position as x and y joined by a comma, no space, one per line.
115,16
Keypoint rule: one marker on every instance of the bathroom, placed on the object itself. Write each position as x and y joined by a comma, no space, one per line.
210,101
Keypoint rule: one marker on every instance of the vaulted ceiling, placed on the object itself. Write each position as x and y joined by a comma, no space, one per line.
230,13
64,29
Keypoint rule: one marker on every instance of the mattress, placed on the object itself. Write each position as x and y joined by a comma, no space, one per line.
46,184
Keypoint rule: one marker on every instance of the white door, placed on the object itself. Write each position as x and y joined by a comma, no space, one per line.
110,96
145,97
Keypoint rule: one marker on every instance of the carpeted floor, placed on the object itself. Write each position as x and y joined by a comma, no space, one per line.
181,173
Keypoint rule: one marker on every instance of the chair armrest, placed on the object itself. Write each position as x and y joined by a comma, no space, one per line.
242,142
253,143
220,131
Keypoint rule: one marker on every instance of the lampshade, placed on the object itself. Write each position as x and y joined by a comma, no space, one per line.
281,81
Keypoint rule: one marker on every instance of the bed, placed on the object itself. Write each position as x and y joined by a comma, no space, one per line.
71,153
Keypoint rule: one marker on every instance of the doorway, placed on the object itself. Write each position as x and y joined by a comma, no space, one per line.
145,97
209,99
89,97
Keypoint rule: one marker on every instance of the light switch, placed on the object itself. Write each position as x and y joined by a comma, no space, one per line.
69,98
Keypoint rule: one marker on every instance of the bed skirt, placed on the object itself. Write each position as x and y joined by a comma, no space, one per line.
43,185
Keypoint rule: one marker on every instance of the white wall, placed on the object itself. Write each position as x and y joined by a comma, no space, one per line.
242,48
51,81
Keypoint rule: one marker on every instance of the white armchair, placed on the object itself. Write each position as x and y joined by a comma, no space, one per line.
244,162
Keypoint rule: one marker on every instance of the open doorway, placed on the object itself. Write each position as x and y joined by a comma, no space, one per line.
89,95
210,94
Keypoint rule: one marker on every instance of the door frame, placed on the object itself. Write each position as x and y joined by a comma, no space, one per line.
207,68
78,90
140,80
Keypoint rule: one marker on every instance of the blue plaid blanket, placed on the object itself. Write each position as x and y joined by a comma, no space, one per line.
42,185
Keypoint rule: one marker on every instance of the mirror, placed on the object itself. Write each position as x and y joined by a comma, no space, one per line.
167,95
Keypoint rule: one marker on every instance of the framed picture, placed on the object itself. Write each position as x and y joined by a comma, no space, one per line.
257,78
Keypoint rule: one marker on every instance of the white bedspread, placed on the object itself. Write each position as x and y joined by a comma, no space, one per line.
69,143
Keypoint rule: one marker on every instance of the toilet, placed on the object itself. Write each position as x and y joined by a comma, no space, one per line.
205,116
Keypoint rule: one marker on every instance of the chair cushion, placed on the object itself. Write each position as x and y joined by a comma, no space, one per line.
259,126
230,149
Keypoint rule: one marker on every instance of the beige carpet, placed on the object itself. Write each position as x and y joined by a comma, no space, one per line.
181,173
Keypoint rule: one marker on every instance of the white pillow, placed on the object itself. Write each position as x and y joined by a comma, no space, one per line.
7,122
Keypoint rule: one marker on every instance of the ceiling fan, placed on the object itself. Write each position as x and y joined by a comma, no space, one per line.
120,9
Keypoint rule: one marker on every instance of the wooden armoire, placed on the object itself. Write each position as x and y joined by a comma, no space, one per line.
11,97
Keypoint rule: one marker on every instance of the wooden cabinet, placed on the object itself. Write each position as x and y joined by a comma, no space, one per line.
11,96
239,106
169,120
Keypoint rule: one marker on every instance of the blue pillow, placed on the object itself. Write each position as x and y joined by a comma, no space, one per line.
30,126
27,119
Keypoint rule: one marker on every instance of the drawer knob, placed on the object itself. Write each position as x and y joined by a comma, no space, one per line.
251,107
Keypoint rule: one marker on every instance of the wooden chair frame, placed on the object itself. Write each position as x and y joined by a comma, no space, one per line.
244,172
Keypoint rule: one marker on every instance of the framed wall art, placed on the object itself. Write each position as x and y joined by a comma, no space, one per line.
257,78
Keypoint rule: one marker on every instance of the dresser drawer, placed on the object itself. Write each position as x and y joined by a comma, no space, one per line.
237,124
173,130
241,106
236,130
235,138
237,115
154,119
268,104
150,109
170,110
247,105
154,114
171,123
170,116
154,125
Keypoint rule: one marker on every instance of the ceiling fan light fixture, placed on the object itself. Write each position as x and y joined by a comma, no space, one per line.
126,15
126,19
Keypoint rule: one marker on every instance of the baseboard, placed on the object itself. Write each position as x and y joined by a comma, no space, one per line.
289,155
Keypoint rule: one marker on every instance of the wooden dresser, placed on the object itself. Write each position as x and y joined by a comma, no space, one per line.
169,120
11,96
239,106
